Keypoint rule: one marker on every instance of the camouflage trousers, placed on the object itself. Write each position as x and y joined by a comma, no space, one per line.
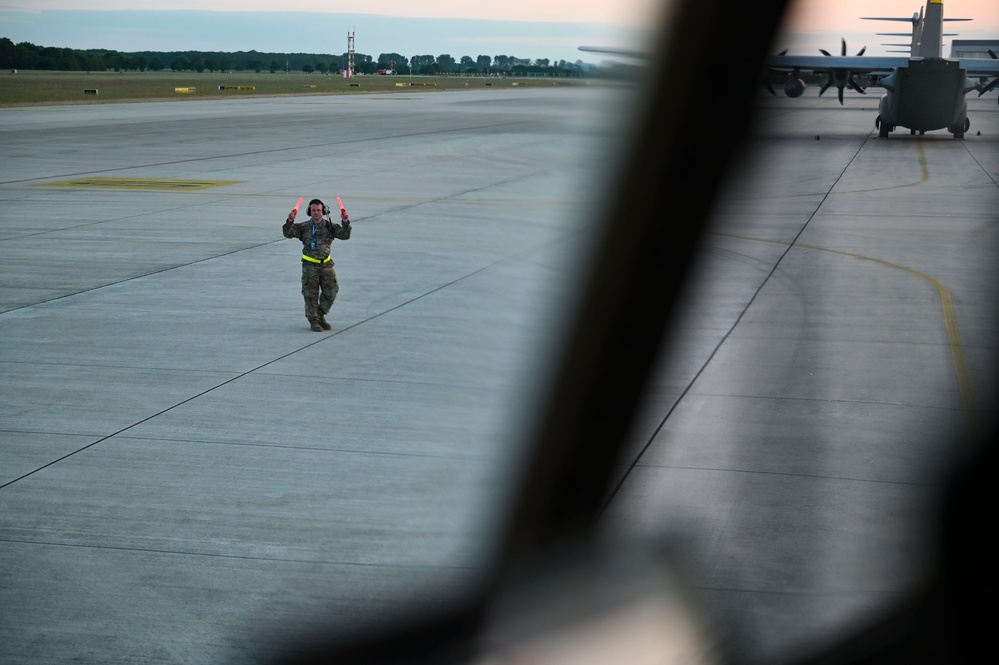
319,288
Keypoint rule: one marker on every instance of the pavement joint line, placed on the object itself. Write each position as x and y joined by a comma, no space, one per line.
697,375
764,472
216,555
209,442
820,593
104,438
795,398
453,130
140,184
142,276
984,170
349,451
453,196
46,231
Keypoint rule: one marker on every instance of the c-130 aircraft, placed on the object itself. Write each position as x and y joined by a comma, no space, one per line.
924,91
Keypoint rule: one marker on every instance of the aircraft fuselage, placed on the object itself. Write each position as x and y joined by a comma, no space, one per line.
927,94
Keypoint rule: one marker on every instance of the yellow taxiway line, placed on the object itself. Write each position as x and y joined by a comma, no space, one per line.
958,357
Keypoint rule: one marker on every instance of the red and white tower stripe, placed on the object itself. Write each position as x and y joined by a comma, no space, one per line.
349,72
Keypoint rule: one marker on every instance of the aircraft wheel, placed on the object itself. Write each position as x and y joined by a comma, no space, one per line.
883,130
959,131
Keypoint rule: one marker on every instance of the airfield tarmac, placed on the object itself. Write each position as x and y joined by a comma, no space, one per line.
188,474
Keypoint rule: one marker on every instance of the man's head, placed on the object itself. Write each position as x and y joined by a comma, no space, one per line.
317,209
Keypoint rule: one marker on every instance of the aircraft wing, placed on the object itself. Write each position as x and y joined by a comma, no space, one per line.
822,63
870,64
629,53
983,68
980,66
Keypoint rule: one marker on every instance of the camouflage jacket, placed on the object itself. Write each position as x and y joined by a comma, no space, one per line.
316,242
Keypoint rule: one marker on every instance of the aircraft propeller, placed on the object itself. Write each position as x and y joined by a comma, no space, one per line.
770,88
842,50
982,87
842,78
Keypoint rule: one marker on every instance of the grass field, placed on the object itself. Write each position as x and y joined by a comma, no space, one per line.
38,87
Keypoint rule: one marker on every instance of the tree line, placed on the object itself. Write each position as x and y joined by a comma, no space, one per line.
26,55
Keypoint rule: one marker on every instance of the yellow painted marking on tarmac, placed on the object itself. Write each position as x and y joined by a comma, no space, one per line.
148,184
922,165
968,401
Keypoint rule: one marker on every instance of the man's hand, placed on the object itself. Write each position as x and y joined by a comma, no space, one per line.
343,212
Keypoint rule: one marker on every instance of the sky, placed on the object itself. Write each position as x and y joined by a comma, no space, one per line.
817,24
551,29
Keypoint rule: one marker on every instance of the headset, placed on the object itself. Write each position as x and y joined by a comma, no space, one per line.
326,208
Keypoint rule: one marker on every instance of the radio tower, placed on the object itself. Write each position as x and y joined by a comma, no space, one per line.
349,72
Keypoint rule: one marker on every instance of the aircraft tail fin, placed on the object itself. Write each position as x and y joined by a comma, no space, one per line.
927,29
931,45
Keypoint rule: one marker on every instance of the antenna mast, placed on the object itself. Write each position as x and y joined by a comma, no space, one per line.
349,72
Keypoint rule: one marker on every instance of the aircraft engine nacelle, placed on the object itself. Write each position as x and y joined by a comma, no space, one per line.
794,87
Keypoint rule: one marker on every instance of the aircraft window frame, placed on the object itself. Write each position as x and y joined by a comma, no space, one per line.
678,156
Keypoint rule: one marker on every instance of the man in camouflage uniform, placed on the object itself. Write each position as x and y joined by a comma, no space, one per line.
319,285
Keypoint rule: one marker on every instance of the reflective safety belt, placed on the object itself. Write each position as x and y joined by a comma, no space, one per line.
312,260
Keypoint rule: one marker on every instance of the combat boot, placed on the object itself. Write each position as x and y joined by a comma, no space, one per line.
324,323
315,326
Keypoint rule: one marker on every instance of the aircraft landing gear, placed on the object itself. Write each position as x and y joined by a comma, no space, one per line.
959,131
883,128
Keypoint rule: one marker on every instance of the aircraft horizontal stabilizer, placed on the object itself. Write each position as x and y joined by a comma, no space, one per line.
629,53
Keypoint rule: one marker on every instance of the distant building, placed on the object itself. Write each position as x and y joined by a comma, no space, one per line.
973,48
